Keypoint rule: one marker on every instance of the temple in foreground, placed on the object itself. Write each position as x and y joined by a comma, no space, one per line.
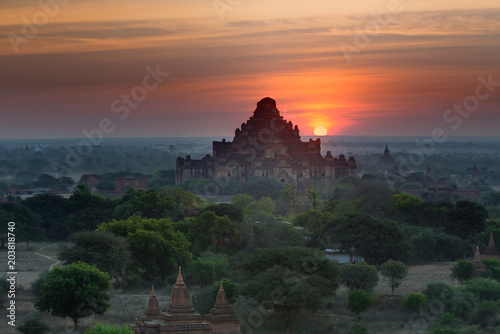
267,146
181,318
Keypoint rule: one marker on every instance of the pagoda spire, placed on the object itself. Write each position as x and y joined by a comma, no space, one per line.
153,309
479,266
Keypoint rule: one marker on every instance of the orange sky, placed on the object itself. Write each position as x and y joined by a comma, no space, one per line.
416,63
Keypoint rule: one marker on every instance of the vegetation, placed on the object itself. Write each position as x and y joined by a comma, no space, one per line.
414,302
33,324
359,301
462,271
109,329
358,276
395,272
76,291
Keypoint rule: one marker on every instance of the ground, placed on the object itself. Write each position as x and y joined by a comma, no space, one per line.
386,315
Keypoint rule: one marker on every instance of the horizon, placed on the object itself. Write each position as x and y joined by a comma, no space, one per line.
181,69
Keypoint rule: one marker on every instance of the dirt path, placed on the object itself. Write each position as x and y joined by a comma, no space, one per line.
56,262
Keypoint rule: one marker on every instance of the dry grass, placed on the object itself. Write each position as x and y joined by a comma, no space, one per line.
384,317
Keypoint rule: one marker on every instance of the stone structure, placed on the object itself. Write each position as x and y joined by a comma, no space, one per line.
479,266
475,173
91,180
123,183
490,251
181,318
267,146
386,159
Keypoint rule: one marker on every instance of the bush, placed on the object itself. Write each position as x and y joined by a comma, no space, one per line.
33,325
358,328
438,291
359,301
109,329
462,271
414,301
483,288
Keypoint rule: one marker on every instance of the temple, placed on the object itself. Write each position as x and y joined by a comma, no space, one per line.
386,159
181,318
267,146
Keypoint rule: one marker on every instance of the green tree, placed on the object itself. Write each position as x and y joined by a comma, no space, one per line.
291,278
376,241
359,275
395,272
53,210
109,253
359,301
208,268
210,232
312,219
404,207
261,186
33,324
75,291
231,289
314,199
467,219
156,246
462,271
27,222
414,301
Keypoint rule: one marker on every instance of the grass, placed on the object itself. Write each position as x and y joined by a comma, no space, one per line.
385,316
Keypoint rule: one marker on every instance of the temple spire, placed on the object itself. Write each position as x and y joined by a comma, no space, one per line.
153,306
479,266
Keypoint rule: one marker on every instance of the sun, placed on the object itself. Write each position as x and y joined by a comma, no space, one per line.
320,131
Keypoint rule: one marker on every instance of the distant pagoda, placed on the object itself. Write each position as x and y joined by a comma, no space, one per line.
386,159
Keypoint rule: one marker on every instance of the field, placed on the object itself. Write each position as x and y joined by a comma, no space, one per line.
386,315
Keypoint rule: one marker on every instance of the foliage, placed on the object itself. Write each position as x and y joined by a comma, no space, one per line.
374,240
76,291
430,245
4,288
109,329
359,301
403,207
109,253
467,219
358,275
33,324
358,328
261,186
208,268
155,245
370,198
414,301
204,300
312,219
27,222
234,212
492,268
290,278
462,271
483,288
210,232
36,285
270,233
53,210
395,271
144,203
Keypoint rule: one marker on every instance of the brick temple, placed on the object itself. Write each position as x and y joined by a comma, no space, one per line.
267,146
181,318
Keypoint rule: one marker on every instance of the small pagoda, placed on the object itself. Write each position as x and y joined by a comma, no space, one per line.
490,251
180,317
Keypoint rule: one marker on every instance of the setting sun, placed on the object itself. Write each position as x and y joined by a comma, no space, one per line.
320,131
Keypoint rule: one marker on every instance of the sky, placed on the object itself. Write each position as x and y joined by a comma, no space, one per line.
192,68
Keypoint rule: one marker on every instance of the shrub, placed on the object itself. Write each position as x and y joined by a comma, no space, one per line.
109,329
33,325
359,301
358,328
462,271
483,288
395,271
414,301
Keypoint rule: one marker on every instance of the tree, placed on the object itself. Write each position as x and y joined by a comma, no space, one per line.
33,324
403,207
467,219
291,278
53,210
156,246
109,253
375,240
462,271
359,301
414,301
208,268
27,223
313,199
395,272
210,232
261,186
312,219
75,291
358,276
